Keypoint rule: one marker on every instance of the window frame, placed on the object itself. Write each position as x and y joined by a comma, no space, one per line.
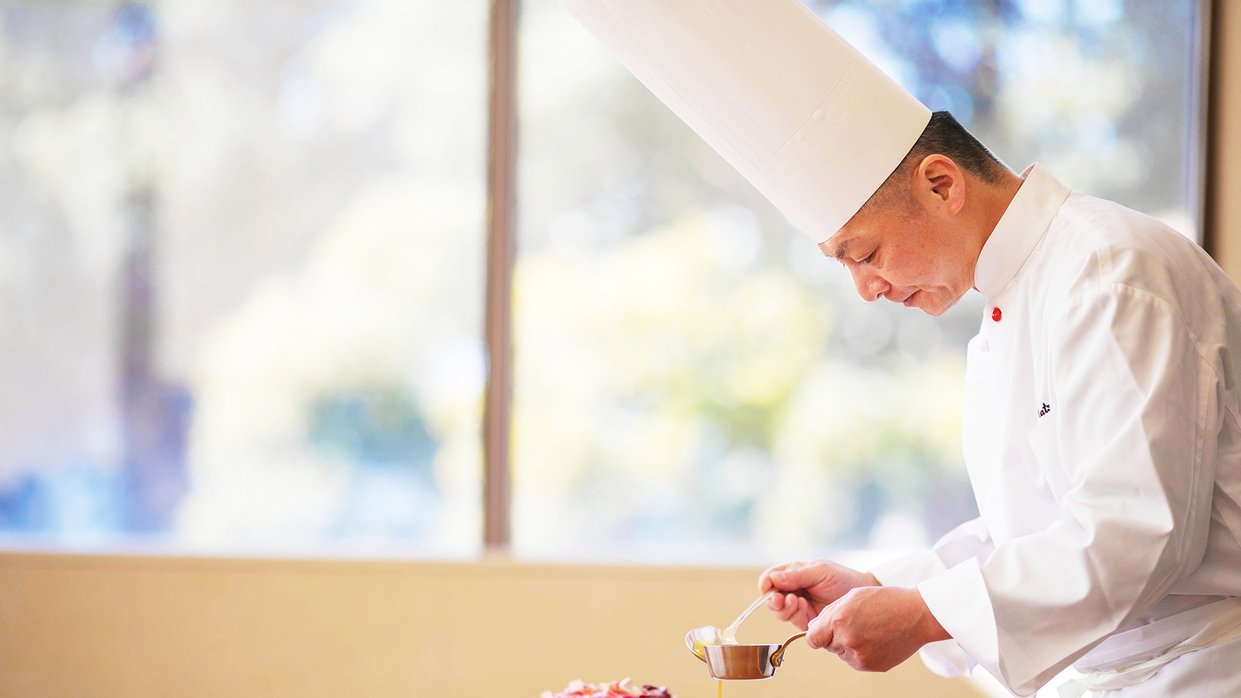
501,254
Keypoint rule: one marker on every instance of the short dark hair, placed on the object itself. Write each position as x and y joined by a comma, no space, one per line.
943,135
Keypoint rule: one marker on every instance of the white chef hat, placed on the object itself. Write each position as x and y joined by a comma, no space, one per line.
808,120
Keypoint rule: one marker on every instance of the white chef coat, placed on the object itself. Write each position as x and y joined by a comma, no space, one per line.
1101,438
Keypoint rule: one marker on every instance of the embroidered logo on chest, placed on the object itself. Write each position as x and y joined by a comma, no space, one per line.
1044,409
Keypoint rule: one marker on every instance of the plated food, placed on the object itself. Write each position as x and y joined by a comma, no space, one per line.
616,689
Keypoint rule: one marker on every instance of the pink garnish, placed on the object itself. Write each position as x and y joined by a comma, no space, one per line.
616,689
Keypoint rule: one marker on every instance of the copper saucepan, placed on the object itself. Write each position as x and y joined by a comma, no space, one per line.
741,662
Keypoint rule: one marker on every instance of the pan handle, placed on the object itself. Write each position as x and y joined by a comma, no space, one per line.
777,657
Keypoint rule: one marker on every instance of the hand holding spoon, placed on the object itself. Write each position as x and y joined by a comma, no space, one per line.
711,635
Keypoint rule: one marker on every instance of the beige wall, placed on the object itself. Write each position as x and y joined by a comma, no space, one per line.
132,627
1224,193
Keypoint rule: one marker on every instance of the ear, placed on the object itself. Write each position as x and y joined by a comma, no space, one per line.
939,185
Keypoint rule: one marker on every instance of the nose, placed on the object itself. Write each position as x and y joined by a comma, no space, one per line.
870,286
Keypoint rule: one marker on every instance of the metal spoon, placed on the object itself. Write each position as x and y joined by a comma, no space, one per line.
711,635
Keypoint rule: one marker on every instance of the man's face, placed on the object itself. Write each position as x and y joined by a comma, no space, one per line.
906,256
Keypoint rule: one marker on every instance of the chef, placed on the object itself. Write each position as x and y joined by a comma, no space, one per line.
1101,429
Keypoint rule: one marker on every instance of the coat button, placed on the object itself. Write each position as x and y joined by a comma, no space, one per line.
996,314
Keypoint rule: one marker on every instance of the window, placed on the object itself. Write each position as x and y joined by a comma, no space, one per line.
242,280
243,267
695,382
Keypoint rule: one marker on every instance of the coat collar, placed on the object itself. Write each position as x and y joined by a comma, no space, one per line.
1019,230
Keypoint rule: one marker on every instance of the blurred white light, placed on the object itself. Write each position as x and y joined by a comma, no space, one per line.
362,107
574,230
957,44
743,473
1096,135
620,172
1042,10
1026,55
807,261
867,330
302,97
897,531
1098,12
387,502
15,268
858,26
735,236
919,335
456,369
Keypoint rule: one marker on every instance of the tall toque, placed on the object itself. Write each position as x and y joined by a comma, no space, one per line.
808,120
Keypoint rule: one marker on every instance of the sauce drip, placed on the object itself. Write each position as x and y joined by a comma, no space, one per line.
721,683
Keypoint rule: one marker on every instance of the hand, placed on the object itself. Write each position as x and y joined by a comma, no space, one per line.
875,628
803,592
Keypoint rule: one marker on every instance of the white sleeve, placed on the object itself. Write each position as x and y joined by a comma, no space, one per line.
969,541
1132,440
